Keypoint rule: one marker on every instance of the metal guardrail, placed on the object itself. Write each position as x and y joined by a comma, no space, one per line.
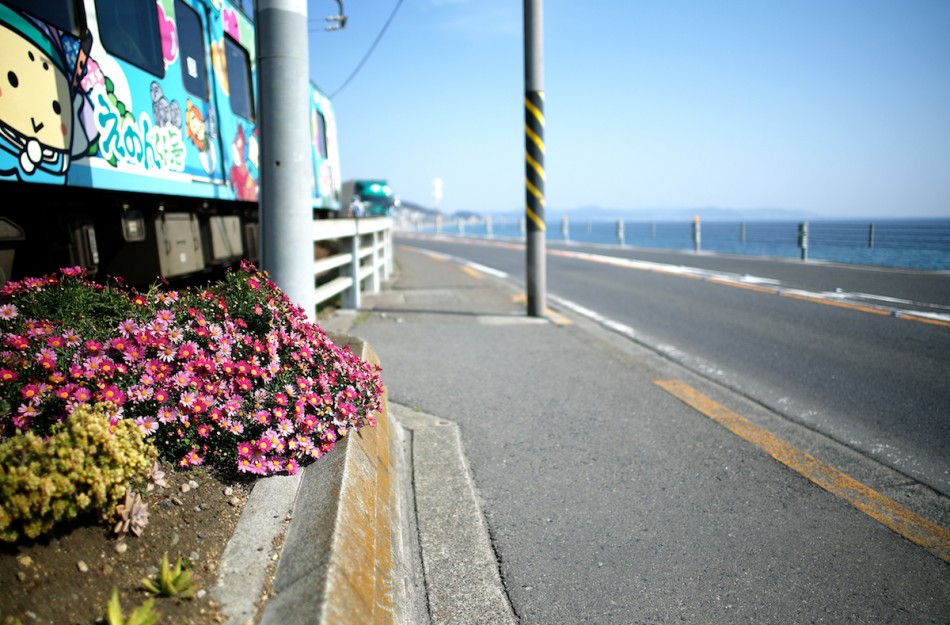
365,253
917,243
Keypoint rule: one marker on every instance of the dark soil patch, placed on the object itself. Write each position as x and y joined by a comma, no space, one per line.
68,579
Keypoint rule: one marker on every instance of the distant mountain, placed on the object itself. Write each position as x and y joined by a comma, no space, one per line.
710,213
600,213
419,208
412,207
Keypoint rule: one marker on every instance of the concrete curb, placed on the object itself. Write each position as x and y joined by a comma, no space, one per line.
340,536
463,584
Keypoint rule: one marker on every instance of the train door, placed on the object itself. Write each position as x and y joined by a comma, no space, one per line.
200,115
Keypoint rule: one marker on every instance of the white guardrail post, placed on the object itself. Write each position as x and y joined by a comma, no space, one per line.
376,265
349,261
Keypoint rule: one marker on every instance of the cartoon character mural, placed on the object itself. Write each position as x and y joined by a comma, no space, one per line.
41,103
240,176
66,101
201,134
164,113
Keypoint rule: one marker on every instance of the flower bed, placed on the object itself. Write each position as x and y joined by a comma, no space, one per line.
232,375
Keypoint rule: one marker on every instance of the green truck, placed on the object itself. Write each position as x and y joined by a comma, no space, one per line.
368,197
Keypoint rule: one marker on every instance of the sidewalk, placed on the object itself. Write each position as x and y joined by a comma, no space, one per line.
538,472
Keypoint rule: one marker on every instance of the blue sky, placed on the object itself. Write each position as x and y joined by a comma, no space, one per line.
836,107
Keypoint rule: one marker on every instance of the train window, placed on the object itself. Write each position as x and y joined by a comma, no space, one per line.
247,6
239,78
321,135
129,30
191,49
63,14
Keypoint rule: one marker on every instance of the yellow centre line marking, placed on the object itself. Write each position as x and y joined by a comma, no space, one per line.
908,315
818,300
908,524
914,317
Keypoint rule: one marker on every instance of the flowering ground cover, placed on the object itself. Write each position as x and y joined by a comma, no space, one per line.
231,376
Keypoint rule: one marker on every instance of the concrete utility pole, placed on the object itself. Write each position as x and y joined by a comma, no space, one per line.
534,156
286,216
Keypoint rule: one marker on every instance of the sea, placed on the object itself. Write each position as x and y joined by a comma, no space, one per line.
909,243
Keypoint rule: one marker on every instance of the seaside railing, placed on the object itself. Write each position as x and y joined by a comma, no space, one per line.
922,244
350,256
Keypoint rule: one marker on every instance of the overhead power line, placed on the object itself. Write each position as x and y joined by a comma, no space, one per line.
370,51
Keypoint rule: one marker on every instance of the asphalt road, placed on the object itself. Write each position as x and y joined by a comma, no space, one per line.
878,383
608,499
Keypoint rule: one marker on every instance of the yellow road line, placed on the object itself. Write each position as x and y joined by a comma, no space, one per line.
906,315
742,285
827,302
556,318
908,524
920,318
472,272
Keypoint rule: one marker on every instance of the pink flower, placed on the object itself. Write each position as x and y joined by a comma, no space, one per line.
133,353
169,297
127,328
17,342
176,335
167,352
187,350
30,392
112,393
183,379
93,347
148,425
56,378
233,405
139,394
28,411
72,339
192,458
8,312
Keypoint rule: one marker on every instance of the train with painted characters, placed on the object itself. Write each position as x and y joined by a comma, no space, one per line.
129,138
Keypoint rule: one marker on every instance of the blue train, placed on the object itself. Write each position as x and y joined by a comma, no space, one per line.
129,141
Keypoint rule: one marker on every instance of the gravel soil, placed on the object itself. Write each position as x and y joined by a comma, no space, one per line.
68,577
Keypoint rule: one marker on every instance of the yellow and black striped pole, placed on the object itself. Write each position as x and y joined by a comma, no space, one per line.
534,156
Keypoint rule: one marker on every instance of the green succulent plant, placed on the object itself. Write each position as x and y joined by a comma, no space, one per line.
171,582
142,615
